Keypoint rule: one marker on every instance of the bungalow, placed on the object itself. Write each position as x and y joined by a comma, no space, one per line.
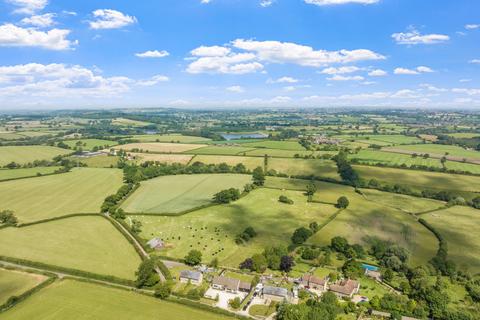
230,285
156,244
275,293
194,277
309,281
345,288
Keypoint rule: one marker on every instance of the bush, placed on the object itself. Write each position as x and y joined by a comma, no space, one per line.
284,199
163,290
193,258
342,202
227,196
301,235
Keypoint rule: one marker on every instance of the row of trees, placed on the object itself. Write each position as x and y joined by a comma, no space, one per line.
274,258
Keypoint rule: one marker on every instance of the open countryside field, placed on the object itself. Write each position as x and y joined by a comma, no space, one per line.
6,174
14,283
173,194
56,195
165,158
159,147
439,150
421,180
213,230
85,243
459,226
75,300
100,161
178,138
221,150
465,135
27,154
129,122
381,139
367,218
249,162
7,135
89,144
260,152
282,145
316,167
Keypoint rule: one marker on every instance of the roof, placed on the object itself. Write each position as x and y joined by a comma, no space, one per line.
192,275
229,283
244,285
312,279
345,286
275,291
155,242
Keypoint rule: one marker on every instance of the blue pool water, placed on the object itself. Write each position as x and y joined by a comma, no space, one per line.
369,267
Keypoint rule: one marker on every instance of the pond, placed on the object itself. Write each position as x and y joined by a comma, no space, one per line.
236,136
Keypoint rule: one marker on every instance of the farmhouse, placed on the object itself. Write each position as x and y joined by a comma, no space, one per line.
345,288
275,293
230,285
194,277
156,244
311,282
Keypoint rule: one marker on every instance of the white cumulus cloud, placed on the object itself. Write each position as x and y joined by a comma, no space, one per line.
152,81
54,39
345,78
28,6
414,37
152,54
111,19
42,21
418,70
236,89
377,73
340,70
472,26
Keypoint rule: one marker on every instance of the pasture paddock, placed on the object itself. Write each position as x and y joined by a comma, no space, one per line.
14,283
28,154
159,147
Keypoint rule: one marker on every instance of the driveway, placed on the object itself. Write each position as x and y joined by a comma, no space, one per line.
223,297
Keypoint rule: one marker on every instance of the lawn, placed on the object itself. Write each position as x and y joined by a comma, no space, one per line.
370,288
27,154
100,161
85,243
221,150
262,310
165,158
178,138
213,230
6,174
249,162
420,180
68,299
173,194
14,283
79,191
282,145
159,147
89,144
459,226
316,167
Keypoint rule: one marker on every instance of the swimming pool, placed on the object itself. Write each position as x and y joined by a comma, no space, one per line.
369,267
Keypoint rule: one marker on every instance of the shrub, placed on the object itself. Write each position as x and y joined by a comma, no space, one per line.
193,258
285,199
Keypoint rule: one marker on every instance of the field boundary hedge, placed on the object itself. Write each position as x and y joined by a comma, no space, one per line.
126,236
70,271
181,213
14,300
73,215
34,176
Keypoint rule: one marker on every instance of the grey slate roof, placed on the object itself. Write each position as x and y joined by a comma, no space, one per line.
275,291
192,275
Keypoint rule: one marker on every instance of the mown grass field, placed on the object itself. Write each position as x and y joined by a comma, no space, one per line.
459,226
79,191
11,136
249,162
165,158
213,230
6,174
397,159
380,139
159,147
178,138
101,161
221,150
68,299
317,167
85,243
173,194
129,122
438,149
277,153
89,144
282,145
420,180
14,283
367,218
26,154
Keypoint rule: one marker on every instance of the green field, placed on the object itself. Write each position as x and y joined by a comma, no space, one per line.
380,139
282,145
80,191
441,150
259,152
89,144
160,147
129,122
173,194
249,162
420,180
459,226
14,283
74,300
101,161
11,136
316,167
85,243
220,150
397,159
27,154
213,230
465,135
169,138
6,174
367,218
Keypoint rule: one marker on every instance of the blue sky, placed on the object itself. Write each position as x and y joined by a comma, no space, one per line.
239,53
